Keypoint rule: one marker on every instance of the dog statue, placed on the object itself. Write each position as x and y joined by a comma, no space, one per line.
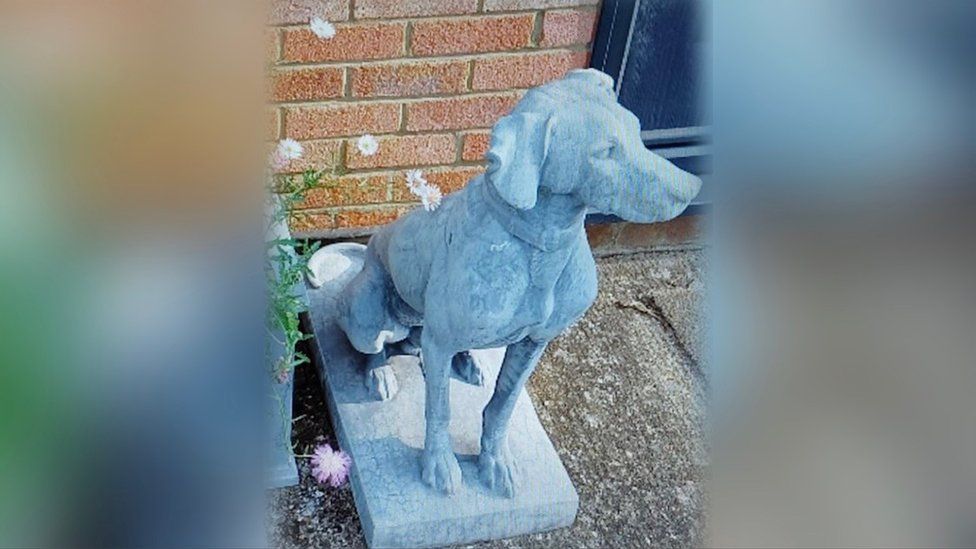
505,261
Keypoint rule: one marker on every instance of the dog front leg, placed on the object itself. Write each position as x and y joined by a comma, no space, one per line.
496,466
439,466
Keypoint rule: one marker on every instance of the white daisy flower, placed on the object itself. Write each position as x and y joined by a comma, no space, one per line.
322,28
367,145
416,181
430,197
289,149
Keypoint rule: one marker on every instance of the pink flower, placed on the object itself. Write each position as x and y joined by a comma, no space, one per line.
330,466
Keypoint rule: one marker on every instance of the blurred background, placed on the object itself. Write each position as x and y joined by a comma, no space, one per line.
843,287
837,142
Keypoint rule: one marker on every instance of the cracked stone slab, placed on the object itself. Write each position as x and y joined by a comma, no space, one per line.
385,439
685,313
673,280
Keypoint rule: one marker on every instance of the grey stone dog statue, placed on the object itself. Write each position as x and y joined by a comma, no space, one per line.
505,262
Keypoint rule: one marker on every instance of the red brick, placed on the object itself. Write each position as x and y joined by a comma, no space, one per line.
308,222
524,71
475,145
352,42
385,9
459,113
317,155
347,190
681,230
290,12
568,27
472,34
367,218
409,79
341,120
448,180
602,235
514,5
306,84
410,150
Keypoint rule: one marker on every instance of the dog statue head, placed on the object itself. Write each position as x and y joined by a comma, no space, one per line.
366,312
572,137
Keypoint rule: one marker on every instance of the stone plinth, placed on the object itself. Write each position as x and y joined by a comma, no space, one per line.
385,440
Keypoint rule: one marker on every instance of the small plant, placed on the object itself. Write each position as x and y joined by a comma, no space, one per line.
287,260
285,271
286,267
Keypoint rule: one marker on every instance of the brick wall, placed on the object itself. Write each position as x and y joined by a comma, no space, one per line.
428,78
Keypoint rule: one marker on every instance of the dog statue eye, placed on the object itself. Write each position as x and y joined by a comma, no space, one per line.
605,151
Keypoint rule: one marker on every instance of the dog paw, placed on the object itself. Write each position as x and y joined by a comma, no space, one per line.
382,382
498,472
464,367
440,470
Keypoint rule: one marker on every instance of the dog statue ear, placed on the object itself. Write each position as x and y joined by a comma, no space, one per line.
600,78
519,146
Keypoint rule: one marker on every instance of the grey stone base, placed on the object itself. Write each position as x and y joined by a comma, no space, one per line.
385,440
282,475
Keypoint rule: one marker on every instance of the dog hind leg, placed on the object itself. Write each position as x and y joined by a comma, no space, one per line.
380,378
466,369
411,345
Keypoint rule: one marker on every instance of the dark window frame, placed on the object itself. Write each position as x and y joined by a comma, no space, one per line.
687,147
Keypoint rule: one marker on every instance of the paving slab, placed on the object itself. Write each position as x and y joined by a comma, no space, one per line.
626,410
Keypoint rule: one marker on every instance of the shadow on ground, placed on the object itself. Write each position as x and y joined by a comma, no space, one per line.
621,394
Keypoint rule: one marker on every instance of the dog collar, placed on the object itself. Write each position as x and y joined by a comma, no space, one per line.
513,221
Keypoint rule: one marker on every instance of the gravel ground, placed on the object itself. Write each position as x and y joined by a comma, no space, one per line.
621,394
